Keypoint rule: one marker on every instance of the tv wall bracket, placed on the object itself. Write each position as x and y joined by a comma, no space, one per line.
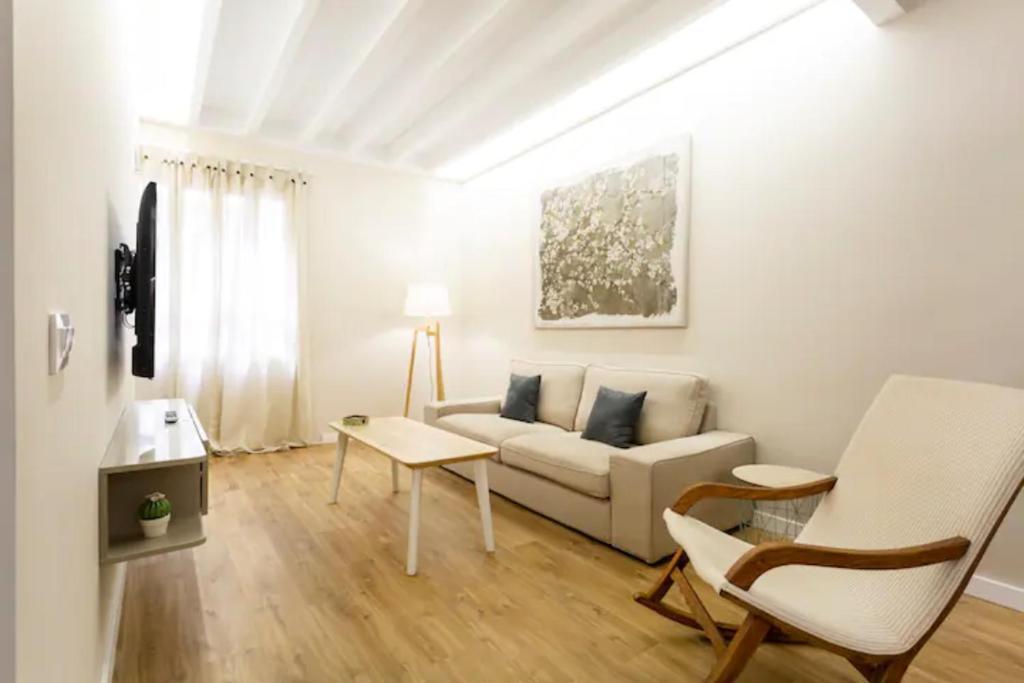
124,290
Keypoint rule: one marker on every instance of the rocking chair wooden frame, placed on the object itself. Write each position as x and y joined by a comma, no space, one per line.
735,644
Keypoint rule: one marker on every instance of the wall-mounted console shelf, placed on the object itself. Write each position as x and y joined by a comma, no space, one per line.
147,455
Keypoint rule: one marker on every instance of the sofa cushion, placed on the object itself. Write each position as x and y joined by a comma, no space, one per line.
672,409
560,387
566,459
491,428
521,398
613,417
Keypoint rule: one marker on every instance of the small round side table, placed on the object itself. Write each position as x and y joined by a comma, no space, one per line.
783,519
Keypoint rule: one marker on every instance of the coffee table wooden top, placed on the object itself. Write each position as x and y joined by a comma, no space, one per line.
413,443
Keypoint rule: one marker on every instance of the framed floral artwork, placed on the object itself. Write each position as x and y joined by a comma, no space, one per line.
612,245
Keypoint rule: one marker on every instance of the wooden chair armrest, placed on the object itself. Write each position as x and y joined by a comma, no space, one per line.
767,556
698,492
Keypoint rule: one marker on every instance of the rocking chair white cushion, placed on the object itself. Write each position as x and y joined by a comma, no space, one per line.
932,459
711,552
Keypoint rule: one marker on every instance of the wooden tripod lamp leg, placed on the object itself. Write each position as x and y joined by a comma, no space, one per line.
431,330
437,361
412,365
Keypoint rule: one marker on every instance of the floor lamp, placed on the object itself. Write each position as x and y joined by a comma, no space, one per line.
428,301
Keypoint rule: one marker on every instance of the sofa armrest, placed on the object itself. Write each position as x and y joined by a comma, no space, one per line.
647,479
438,409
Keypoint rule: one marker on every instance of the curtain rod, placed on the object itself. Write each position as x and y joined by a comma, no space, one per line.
208,167
167,157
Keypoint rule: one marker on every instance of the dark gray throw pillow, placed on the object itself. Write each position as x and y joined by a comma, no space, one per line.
521,398
613,417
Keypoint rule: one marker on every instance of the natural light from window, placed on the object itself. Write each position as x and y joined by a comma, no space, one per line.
258,263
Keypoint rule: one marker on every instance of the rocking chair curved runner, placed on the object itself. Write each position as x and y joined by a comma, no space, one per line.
921,489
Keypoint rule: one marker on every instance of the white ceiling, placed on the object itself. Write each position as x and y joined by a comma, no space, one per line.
406,83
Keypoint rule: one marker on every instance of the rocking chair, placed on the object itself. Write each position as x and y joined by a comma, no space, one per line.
921,489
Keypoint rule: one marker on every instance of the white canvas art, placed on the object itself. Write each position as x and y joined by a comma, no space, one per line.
612,245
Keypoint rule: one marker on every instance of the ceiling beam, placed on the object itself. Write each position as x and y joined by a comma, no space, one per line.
324,117
204,56
565,26
391,102
282,64
474,59
883,11
634,30
566,115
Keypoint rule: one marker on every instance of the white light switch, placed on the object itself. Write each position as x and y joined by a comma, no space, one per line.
62,339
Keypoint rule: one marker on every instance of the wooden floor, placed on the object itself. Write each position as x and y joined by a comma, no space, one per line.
288,588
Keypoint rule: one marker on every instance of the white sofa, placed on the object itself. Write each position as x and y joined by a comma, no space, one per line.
614,495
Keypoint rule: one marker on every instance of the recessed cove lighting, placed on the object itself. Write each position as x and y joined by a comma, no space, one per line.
718,31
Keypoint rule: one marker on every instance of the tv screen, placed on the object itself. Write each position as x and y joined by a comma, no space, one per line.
143,283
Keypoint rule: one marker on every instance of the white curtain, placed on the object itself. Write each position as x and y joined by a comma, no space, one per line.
230,303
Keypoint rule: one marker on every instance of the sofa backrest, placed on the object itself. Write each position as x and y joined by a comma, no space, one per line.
560,388
709,422
673,408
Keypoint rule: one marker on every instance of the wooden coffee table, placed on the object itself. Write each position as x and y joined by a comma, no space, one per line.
417,446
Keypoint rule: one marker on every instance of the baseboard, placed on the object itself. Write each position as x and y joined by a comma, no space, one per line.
113,625
995,591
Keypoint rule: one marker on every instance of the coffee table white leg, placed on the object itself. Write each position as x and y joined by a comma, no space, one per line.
483,498
394,477
414,522
339,460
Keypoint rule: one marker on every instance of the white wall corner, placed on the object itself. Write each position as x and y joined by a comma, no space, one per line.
998,592
113,626
884,11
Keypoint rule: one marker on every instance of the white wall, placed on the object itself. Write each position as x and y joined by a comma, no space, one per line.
371,231
75,199
857,211
7,437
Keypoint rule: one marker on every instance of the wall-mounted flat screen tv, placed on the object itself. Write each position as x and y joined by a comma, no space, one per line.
135,283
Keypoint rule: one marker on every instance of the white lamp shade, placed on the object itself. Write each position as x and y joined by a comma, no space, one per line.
426,300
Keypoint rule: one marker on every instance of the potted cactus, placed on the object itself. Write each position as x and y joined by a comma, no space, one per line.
154,514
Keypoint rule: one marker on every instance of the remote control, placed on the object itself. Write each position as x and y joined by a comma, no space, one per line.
171,416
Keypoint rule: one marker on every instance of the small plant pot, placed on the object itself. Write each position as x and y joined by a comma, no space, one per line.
154,528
